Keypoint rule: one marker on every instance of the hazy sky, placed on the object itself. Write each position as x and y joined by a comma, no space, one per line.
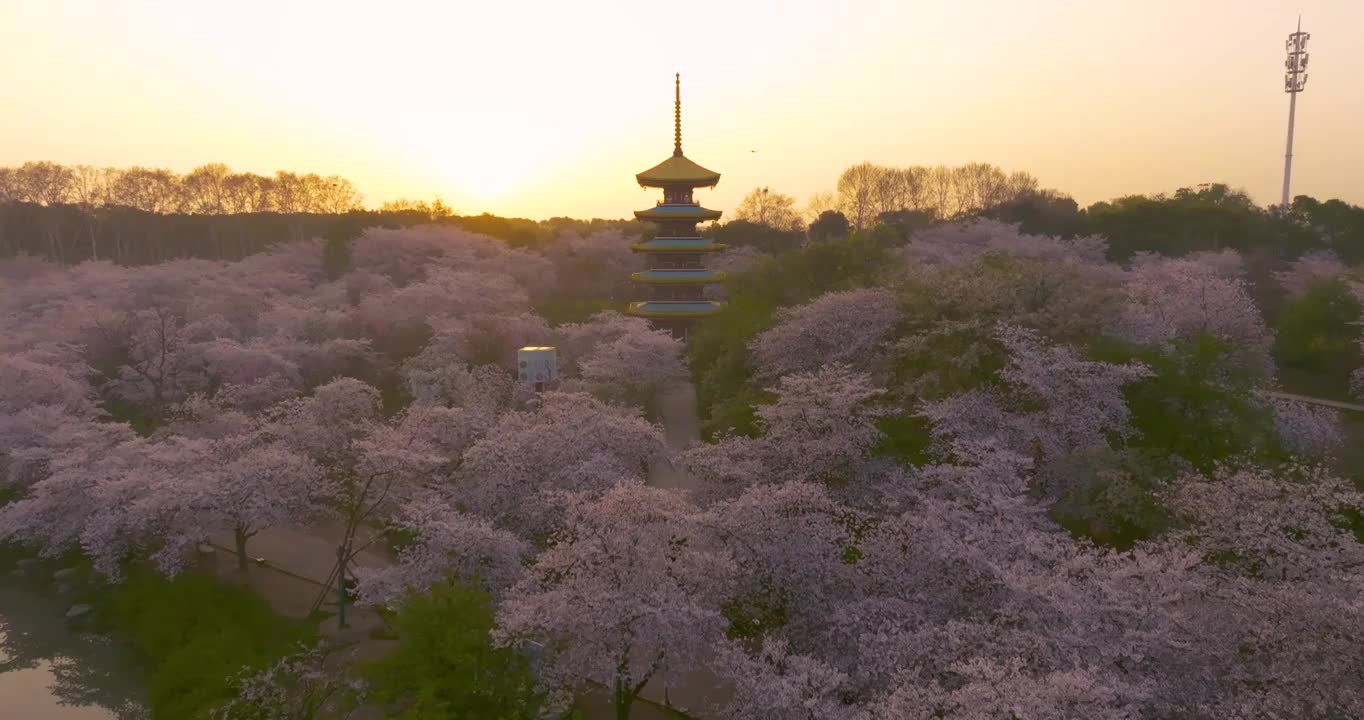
549,108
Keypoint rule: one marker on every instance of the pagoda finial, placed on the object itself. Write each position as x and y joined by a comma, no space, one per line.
677,116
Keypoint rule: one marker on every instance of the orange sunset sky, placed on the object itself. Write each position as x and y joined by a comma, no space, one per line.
539,109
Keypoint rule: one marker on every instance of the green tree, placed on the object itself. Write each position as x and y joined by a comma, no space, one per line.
336,253
763,237
1195,406
830,225
718,347
1209,217
445,667
1318,331
1113,497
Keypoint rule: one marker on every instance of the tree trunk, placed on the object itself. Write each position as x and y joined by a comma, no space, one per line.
623,699
240,536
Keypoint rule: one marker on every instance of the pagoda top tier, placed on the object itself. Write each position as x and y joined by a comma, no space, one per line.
678,171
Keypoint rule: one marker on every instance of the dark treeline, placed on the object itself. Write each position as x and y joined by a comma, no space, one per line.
1207,217
127,236
144,215
141,215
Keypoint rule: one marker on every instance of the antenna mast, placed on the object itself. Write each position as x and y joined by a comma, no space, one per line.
1294,80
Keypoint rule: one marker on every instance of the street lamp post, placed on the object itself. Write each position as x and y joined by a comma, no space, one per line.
1295,79
341,586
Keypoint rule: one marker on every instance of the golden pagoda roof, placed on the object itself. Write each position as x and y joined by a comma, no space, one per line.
678,170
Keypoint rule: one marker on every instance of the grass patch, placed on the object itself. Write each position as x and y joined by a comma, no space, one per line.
559,310
193,634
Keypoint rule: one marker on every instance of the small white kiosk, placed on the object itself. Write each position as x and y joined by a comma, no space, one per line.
538,365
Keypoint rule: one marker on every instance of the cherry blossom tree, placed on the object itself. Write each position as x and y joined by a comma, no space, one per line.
447,543
406,254
494,338
439,375
627,593
735,260
777,684
43,377
1051,402
1276,525
958,243
159,358
442,294
849,327
368,467
572,443
820,429
309,684
793,545
635,364
594,265
822,424
1308,269
1171,299
254,375
1305,429
64,470
951,312
1288,575
320,359
180,491
578,340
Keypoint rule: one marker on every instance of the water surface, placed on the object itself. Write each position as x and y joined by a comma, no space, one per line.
50,672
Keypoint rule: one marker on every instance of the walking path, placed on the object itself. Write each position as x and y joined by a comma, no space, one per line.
699,690
681,428
297,565
1323,402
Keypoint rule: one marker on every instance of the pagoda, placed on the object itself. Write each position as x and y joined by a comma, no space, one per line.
674,285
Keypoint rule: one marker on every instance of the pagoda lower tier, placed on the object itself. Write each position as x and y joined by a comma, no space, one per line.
672,290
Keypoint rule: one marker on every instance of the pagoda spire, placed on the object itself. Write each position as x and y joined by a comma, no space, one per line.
677,116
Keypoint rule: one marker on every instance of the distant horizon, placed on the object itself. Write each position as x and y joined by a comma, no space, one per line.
539,117
366,205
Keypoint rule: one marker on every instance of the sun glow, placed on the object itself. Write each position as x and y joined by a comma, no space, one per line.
542,109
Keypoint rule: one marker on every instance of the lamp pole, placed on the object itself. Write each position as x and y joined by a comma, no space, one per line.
1294,80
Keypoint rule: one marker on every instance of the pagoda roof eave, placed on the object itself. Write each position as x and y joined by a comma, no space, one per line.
678,212
678,277
667,309
651,246
678,170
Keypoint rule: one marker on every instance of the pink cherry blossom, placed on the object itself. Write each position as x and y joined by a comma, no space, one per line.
448,543
570,443
957,243
628,593
849,327
1305,429
1308,269
1174,299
